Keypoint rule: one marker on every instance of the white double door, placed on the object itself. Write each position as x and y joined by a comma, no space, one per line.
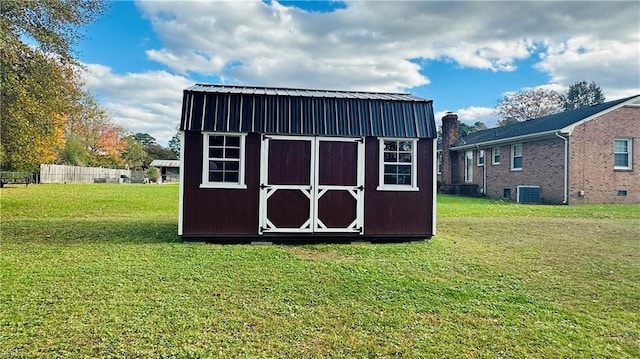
311,184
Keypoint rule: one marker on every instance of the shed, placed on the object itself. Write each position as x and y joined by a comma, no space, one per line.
282,164
169,170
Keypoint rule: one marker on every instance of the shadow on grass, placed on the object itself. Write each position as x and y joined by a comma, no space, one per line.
132,231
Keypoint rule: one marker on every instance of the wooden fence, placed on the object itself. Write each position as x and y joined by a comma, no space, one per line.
73,174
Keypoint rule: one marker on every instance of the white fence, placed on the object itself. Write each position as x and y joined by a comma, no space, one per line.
74,174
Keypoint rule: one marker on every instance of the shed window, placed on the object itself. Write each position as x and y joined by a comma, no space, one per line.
516,157
622,150
398,164
223,156
496,156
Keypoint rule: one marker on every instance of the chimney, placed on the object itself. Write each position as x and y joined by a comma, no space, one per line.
449,138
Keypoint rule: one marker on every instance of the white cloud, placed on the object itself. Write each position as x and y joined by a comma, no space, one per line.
471,115
368,45
148,102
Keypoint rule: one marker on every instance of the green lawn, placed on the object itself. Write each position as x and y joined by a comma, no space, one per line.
99,271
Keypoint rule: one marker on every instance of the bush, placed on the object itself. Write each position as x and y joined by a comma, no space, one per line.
152,174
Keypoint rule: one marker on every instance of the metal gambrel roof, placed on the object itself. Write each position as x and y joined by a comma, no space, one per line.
542,125
219,108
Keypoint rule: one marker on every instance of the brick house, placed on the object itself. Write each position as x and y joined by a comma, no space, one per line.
590,155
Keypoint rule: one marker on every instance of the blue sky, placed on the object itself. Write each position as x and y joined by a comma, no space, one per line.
464,55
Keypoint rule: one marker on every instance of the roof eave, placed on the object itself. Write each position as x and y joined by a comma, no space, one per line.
507,140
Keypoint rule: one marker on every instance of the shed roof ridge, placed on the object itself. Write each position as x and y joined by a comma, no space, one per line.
244,88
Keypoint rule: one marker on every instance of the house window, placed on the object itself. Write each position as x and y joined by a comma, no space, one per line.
468,166
622,192
398,165
495,156
516,157
480,158
440,163
223,165
622,152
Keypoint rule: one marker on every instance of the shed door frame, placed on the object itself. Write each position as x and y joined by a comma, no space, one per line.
313,191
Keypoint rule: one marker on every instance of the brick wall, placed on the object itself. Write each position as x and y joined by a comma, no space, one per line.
591,159
542,165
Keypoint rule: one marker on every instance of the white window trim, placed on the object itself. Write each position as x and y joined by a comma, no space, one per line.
468,166
439,163
629,154
493,156
414,166
513,152
205,162
481,155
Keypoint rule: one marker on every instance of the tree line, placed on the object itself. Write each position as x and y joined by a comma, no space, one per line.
534,103
46,115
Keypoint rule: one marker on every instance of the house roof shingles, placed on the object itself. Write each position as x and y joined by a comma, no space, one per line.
540,125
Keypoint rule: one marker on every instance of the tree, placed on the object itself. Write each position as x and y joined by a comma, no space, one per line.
582,94
145,138
529,104
92,129
134,155
174,144
38,83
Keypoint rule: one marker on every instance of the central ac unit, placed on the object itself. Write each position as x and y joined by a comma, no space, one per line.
529,194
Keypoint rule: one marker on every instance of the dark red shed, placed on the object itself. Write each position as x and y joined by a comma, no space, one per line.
277,164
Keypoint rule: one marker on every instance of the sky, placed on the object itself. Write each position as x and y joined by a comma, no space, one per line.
465,56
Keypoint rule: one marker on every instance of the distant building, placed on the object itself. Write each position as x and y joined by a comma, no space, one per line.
169,170
587,155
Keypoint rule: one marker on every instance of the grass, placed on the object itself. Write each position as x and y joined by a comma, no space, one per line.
98,271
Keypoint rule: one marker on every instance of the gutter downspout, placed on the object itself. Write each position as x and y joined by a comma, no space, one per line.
566,167
484,175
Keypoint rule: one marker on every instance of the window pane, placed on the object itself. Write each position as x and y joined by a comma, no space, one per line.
390,169
405,157
215,176
517,150
215,165
233,141
231,176
405,146
390,179
390,145
620,146
404,179
404,169
517,162
232,153
215,152
216,140
231,166
621,160
390,157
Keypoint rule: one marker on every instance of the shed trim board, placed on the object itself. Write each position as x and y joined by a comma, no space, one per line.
308,159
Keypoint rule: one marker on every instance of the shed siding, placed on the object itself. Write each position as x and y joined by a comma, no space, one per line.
399,213
387,213
214,211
